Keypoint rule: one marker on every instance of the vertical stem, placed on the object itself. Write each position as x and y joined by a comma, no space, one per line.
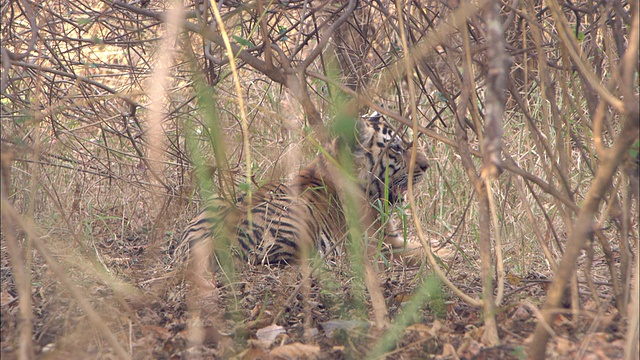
20,272
491,329
582,231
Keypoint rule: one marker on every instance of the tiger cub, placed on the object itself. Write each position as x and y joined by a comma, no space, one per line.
283,222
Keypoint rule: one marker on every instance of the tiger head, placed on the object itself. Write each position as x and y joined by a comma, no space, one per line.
382,160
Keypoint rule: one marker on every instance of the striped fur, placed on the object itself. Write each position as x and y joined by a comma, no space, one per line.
283,222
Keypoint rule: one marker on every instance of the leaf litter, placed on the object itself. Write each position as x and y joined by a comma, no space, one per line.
254,316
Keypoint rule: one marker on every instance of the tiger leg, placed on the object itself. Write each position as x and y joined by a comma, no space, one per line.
410,251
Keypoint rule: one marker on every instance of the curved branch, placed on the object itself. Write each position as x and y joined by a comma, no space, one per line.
8,57
34,36
583,66
324,38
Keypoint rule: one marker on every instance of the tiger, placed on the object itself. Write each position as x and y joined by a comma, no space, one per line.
281,223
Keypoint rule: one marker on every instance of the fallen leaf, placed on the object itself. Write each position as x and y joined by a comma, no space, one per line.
521,314
437,326
253,353
402,298
158,331
269,333
474,348
513,280
561,320
449,352
564,346
422,329
6,298
295,351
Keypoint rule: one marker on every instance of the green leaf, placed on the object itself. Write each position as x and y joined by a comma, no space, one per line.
283,30
635,149
242,41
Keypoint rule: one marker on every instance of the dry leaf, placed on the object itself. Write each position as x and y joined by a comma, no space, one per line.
158,331
513,280
561,320
474,348
402,298
6,298
449,352
520,314
295,351
253,353
269,333
436,327
564,346
422,329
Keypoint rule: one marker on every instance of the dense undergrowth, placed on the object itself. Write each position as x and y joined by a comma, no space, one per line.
115,124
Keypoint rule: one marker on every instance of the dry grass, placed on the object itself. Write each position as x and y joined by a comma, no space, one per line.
103,167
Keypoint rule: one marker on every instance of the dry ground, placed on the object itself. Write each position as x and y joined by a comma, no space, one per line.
260,314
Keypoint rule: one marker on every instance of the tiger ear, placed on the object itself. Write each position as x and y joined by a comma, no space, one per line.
371,121
367,125
374,118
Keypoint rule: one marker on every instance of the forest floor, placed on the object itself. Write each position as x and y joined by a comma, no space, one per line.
263,313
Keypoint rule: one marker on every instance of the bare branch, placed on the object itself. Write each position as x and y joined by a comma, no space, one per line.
583,229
